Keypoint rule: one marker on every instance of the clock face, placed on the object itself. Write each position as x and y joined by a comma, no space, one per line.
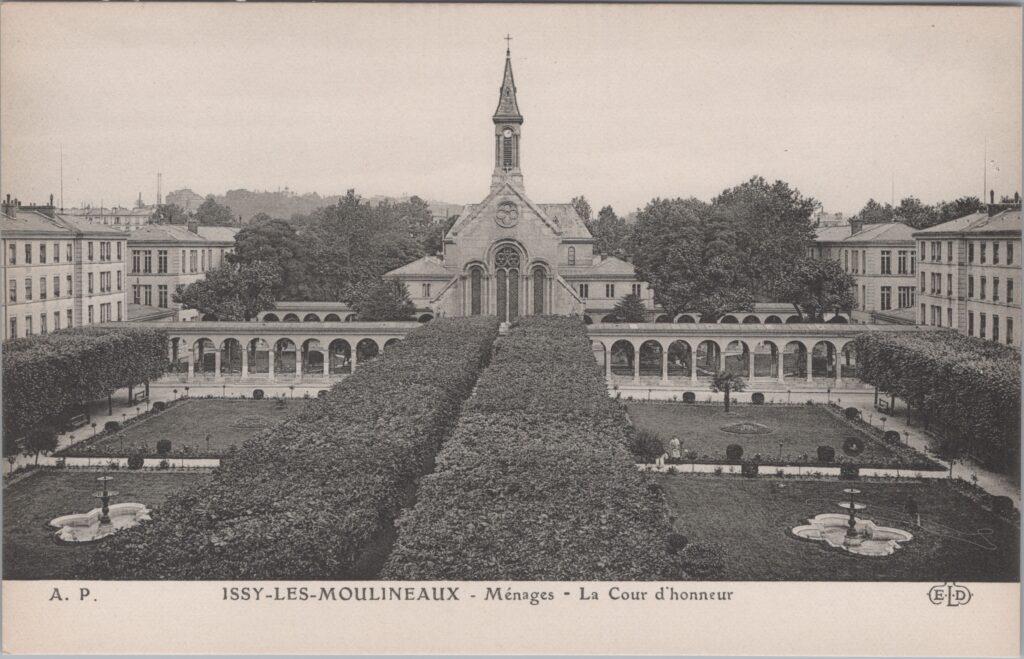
507,132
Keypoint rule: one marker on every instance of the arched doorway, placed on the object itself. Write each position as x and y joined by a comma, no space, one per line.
312,356
259,356
650,358
204,354
284,356
622,355
794,360
366,350
679,359
823,360
600,354
340,355
850,367
540,283
708,359
231,357
507,262
766,360
737,358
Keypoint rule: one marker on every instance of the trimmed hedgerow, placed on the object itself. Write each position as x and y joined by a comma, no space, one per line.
315,497
537,482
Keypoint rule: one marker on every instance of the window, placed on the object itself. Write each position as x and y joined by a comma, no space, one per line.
42,258
119,316
90,257
183,260
922,281
118,280
28,258
202,260
983,246
970,323
147,261
105,312
71,318
949,250
970,252
425,292
936,316
901,261
936,283
28,289
1009,331
863,297
995,261
193,260
91,319
43,328
913,261
983,282
886,298
1009,258
14,329
70,252
981,325
636,290
162,295
119,245
12,255
56,321
136,260
136,294
161,261
949,316
572,256
56,259
609,290
147,295
12,290
922,314
995,326
995,287
56,286
1009,291
90,284
856,261
70,290
28,325
949,284
886,262
937,251
970,287
584,291
906,297
864,261
846,261
42,288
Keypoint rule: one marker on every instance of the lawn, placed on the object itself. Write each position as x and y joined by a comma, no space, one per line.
751,520
800,430
29,549
227,422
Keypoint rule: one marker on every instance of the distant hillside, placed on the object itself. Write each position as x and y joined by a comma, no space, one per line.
285,203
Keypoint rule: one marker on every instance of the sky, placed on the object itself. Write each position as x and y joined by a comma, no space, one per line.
621,104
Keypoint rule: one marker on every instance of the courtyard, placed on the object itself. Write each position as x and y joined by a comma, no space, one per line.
30,551
748,524
187,424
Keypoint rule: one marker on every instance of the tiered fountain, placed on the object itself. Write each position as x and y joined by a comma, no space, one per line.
100,522
849,533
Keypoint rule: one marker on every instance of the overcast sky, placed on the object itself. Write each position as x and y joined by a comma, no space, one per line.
622,104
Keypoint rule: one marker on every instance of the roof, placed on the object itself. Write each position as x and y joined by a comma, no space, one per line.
831,234
142,313
164,233
884,232
20,221
954,226
427,266
608,267
82,225
219,234
567,219
508,108
1007,221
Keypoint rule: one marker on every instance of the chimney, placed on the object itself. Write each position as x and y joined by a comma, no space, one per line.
192,226
1016,198
8,205
856,226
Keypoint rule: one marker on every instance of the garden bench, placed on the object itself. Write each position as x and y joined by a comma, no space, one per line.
883,406
140,397
77,421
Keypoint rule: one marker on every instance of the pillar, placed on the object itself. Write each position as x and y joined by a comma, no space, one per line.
693,367
608,365
721,360
191,367
636,364
270,363
245,361
810,364
298,361
355,358
839,369
327,362
664,365
781,366
216,364
750,364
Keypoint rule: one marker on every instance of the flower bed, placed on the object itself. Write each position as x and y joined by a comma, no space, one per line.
316,496
536,482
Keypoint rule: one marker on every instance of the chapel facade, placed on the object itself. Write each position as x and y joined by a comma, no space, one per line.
509,256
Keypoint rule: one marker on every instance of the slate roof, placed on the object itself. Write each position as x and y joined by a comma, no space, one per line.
19,221
609,267
508,107
426,266
219,234
164,233
1007,221
831,234
884,232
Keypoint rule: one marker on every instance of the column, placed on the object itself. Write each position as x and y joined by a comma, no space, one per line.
608,365
750,364
216,365
191,367
636,364
270,363
721,360
693,367
327,362
781,354
355,358
298,361
245,362
664,365
810,364
839,370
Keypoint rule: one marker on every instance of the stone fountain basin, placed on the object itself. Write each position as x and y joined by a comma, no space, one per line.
86,527
871,539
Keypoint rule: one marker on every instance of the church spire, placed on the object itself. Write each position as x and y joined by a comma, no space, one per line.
508,108
508,125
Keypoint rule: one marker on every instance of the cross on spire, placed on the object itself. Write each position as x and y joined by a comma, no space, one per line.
508,44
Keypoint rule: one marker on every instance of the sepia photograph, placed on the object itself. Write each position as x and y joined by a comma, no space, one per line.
660,308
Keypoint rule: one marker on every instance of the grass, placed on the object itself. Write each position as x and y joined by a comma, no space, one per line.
227,422
29,549
751,521
800,429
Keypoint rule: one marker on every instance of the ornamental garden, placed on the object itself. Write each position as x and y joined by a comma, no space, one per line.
468,451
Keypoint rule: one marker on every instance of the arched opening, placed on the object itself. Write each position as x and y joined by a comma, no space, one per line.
540,279
663,318
366,350
728,319
773,320
507,262
332,318
231,357
751,319
270,318
291,318
284,356
608,318
179,356
679,359
204,355
476,290
208,317
838,319
587,320
686,318
425,318
259,356
823,360
794,360
622,358
599,354
737,358
351,318
340,354
312,357
708,359
793,320
850,367
311,318
766,360
650,358
391,342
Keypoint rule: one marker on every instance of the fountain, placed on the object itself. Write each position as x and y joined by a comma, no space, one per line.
857,536
100,522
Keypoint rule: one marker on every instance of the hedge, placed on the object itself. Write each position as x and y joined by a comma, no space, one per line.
315,496
48,376
966,389
537,482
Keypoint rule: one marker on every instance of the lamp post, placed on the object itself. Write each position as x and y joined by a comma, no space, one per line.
291,389
175,393
93,424
124,417
829,392
789,394
224,391
186,391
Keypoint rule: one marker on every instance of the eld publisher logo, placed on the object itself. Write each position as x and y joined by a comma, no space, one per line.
949,594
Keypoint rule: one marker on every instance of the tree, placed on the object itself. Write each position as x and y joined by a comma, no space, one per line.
611,233
960,207
726,383
12,449
233,292
433,241
874,212
212,214
275,242
690,258
582,207
169,214
630,309
818,286
385,299
41,439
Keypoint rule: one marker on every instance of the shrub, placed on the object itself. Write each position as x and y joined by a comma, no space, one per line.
112,426
733,452
1002,506
891,437
826,454
163,446
849,472
536,482
691,455
164,464
749,470
689,397
354,456
851,413
159,406
322,393
135,461
257,394
677,542
646,445
757,398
